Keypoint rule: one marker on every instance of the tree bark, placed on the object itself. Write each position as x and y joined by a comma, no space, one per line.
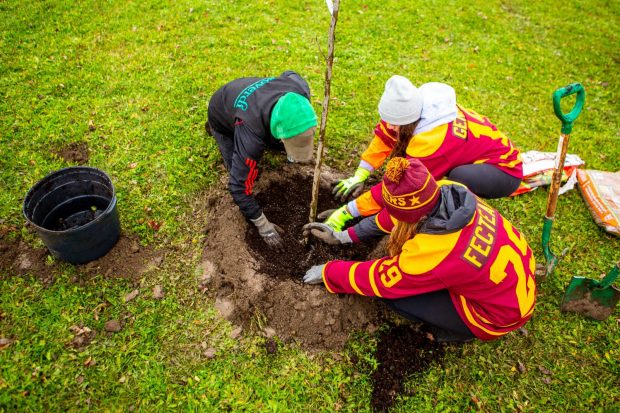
321,145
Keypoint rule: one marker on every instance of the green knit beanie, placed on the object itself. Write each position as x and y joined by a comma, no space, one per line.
292,115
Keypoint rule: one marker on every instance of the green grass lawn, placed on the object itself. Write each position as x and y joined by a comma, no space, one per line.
132,81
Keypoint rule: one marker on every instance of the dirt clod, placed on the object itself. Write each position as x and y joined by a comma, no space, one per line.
131,295
225,307
236,333
209,353
271,346
269,332
112,326
83,335
158,292
5,342
540,273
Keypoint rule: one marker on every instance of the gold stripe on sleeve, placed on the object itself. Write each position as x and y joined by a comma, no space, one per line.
371,278
352,279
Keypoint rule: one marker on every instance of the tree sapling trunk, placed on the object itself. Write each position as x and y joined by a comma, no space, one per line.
322,143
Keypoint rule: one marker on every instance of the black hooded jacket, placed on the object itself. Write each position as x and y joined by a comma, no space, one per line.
240,111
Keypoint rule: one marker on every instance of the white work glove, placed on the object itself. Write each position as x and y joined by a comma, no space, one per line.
269,231
314,275
327,234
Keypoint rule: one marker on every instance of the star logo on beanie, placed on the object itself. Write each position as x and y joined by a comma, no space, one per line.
408,189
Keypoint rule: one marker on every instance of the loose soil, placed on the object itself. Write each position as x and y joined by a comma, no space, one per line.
402,351
259,288
289,209
75,153
126,259
253,285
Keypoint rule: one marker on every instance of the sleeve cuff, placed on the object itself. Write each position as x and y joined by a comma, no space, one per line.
354,238
325,279
352,208
366,165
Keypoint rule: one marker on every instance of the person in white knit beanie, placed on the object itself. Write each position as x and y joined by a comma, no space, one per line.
401,103
452,142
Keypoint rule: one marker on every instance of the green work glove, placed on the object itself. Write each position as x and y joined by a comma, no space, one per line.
269,231
314,275
336,218
352,186
327,234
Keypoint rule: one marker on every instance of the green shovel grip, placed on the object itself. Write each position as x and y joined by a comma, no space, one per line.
568,118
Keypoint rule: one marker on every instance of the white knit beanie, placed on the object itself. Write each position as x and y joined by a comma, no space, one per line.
401,102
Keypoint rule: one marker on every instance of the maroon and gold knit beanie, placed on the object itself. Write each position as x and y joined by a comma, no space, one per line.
409,190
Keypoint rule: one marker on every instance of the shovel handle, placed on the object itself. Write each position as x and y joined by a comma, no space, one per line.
568,118
556,178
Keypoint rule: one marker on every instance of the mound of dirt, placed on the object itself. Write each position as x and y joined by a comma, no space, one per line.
75,152
126,259
251,284
19,258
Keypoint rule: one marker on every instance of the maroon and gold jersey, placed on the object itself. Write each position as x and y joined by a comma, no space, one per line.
469,139
487,266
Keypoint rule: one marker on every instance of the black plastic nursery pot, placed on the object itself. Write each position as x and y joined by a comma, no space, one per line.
74,212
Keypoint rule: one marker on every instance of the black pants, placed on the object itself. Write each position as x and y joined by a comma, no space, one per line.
484,180
225,144
437,310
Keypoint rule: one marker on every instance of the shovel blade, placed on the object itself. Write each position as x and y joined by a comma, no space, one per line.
585,296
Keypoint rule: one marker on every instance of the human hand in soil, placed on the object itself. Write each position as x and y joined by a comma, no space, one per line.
336,218
270,232
314,275
352,186
326,233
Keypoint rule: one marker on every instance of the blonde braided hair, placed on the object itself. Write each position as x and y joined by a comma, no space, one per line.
402,231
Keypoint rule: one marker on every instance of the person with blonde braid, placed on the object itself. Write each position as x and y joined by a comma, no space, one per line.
451,141
454,262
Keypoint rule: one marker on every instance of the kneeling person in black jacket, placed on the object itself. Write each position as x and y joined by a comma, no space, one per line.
251,114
